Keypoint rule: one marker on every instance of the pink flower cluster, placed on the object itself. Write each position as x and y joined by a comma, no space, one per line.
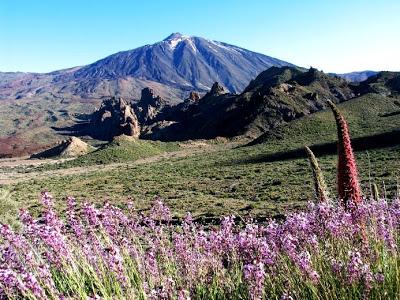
105,253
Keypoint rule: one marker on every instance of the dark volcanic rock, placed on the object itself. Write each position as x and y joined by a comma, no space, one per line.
114,117
216,90
150,98
149,106
275,96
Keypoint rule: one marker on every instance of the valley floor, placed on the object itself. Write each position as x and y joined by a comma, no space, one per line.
215,178
209,181
18,170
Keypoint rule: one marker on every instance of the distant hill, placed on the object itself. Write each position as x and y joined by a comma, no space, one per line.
384,83
357,76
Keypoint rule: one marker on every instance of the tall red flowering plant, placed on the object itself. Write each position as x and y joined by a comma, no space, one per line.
347,175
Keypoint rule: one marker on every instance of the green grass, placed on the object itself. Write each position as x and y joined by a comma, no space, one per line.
367,115
121,150
243,180
210,185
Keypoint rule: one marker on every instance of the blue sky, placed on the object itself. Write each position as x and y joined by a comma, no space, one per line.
335,36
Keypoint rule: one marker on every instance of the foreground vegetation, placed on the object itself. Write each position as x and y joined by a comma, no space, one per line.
103,253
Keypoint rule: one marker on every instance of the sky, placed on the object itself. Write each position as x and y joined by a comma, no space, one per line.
333,36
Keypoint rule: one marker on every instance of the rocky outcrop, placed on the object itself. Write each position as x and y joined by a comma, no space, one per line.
150,98
71,147
114,117
216,90
276,96
149,106
117,116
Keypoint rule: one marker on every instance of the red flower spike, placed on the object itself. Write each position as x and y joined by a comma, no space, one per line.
347,175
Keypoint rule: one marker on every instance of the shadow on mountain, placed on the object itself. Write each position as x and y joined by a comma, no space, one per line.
386,139
79,129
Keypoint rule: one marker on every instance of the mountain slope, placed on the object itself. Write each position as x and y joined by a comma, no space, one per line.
357,76
184,62
384,83
64,86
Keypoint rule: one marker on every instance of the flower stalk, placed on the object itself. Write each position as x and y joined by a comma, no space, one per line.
347,175
321,191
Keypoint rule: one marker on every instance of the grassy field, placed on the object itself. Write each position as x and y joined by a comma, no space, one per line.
267,179
123,149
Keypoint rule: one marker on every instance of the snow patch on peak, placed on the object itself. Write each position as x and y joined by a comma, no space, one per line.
174,36
174,39
174,43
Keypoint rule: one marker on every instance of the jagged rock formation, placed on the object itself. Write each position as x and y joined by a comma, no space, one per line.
216,90
149,106
115,117
193,98
276,96
71,147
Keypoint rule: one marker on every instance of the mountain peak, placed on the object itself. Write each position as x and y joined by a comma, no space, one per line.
175,36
